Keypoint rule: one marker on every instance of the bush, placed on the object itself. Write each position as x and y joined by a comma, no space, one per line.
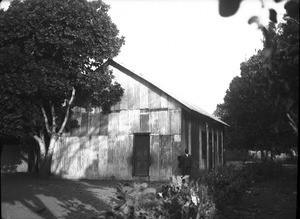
227,187
174,200
215,192
187,199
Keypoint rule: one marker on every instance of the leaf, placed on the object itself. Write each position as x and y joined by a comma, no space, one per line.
267,52
292,8
149,190
228,8
144,185
273,15
253,19
136,186
127,189
129,202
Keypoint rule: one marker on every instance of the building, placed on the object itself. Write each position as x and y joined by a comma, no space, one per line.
142,136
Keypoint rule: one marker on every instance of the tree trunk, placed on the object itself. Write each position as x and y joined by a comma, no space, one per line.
45,167
33,154
45,156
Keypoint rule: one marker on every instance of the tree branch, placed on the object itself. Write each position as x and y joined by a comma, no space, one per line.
53,117
292,123
67,112
46,119
41,144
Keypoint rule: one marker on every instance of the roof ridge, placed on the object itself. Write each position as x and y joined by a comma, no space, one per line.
176,97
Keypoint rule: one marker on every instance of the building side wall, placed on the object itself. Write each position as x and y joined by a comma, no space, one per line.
101,146
204,140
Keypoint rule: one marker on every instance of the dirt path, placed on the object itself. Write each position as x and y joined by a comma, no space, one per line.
25,196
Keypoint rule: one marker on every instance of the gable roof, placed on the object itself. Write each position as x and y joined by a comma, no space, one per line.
183,102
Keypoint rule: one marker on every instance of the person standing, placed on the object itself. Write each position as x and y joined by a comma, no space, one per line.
186,166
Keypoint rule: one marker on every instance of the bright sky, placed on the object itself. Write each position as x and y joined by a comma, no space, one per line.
185,46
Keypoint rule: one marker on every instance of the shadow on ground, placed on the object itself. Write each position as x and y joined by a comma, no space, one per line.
25,196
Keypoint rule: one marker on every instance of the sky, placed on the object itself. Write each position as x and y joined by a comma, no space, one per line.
185,46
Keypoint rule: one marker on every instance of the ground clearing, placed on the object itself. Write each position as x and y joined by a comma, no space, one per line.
25,196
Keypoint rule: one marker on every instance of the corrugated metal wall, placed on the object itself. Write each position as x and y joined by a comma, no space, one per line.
204,140
102,146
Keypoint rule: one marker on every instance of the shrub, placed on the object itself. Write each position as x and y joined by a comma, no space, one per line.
175,200
187,199
227,187
137,201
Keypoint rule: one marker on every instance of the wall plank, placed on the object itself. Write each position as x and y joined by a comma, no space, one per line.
154,100
130,94
84,124
144,97
123,80
94,126
164,101
113,124
164,122
155,154
91,155
136,95
175,122
154,122
144,120
103,129
123,122
134,121
165,147
103,156
123,152
72,160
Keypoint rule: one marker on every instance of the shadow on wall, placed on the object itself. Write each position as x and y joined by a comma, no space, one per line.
14,158
76,157
25,196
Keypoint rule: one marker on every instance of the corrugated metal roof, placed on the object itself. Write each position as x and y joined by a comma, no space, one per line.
176,97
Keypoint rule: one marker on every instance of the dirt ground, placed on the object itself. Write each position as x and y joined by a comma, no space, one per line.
25,196
273,199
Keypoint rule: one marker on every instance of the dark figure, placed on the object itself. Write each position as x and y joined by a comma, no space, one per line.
185,163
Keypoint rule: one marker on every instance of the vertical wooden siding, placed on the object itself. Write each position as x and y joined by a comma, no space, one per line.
101,147
198,133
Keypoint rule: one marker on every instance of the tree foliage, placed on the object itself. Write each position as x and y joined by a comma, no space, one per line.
261,105
256,121
281,53
52,55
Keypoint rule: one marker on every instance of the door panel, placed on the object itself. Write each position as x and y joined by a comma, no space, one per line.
141,155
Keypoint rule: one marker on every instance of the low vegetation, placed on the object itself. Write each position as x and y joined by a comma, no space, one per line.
209,194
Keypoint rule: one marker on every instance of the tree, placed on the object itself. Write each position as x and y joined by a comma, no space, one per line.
256,121
283,65
52,58
275,77
281,52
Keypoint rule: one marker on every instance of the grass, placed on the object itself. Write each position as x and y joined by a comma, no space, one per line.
274,199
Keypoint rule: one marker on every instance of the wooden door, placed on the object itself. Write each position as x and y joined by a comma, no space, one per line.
141,155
